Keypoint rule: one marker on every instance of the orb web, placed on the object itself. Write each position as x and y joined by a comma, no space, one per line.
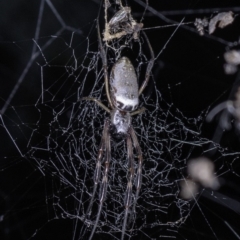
55,136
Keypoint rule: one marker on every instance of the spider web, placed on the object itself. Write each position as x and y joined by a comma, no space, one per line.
50,137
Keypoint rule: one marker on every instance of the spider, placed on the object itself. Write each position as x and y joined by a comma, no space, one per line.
123,99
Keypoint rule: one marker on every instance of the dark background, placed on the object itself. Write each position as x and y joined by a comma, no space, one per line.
189,73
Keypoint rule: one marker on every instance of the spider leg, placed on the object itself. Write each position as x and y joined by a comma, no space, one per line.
97,172
104,61
104,184
138,182
98,102
149,66
139,111
128,194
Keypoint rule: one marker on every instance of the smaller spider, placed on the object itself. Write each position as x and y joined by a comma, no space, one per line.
123,99
121,24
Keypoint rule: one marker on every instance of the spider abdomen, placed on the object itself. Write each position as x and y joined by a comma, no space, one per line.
124,85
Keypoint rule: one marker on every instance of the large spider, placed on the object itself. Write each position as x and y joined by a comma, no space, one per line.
123,99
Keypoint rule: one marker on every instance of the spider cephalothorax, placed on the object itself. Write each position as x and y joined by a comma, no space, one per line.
120,123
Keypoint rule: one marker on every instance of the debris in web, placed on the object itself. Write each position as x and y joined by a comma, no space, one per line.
201,173
202,170
221,20
189,189
201,24
230,108
232,59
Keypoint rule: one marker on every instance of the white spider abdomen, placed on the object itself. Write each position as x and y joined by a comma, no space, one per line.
124,85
